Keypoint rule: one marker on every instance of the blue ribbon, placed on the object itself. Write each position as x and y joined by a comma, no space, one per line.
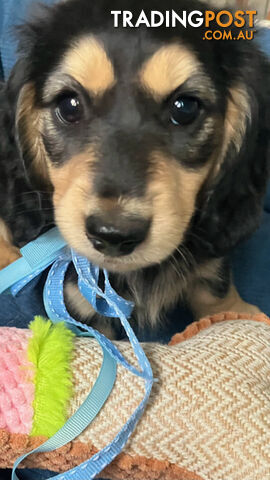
104,301
36,257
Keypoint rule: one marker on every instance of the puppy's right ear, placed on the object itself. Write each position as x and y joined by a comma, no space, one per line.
27,121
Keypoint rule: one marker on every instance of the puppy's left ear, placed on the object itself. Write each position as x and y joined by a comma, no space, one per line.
27,119
230,206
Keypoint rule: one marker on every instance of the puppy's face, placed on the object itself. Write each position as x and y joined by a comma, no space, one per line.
129,130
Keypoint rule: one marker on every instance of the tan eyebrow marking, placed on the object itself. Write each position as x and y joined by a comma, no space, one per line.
169,67
88,62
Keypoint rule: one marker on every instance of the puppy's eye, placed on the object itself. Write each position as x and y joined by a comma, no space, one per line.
184,110
69,109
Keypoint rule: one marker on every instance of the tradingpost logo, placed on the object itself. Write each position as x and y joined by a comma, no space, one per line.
219,25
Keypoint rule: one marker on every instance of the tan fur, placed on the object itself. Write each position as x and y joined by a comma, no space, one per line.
74,199
237,115
29,126
126,206
77,301
159,296
169,68
172,192
85,311
88,62
205,303
209,270
233,130
76,172
8,253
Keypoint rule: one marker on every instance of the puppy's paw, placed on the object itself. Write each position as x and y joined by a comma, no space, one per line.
243,307
109,327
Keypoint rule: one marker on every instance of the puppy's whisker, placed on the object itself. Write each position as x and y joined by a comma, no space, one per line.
38,200
33,192
176,270
184,257
194,235
188,253
35,210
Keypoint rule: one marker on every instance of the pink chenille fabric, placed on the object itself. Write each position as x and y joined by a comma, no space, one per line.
16,381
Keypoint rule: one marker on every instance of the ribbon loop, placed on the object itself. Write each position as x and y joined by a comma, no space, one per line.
89,287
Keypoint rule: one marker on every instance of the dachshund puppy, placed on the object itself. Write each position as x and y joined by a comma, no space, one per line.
148,148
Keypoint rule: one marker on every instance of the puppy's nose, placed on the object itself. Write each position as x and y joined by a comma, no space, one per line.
116,239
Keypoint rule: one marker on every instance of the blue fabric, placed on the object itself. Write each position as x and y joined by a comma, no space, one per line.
12,13
34,474
251,267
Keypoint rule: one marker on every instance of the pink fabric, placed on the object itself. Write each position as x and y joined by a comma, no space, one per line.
16,386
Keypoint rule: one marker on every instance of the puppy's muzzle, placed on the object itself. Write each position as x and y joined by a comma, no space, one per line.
115,237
